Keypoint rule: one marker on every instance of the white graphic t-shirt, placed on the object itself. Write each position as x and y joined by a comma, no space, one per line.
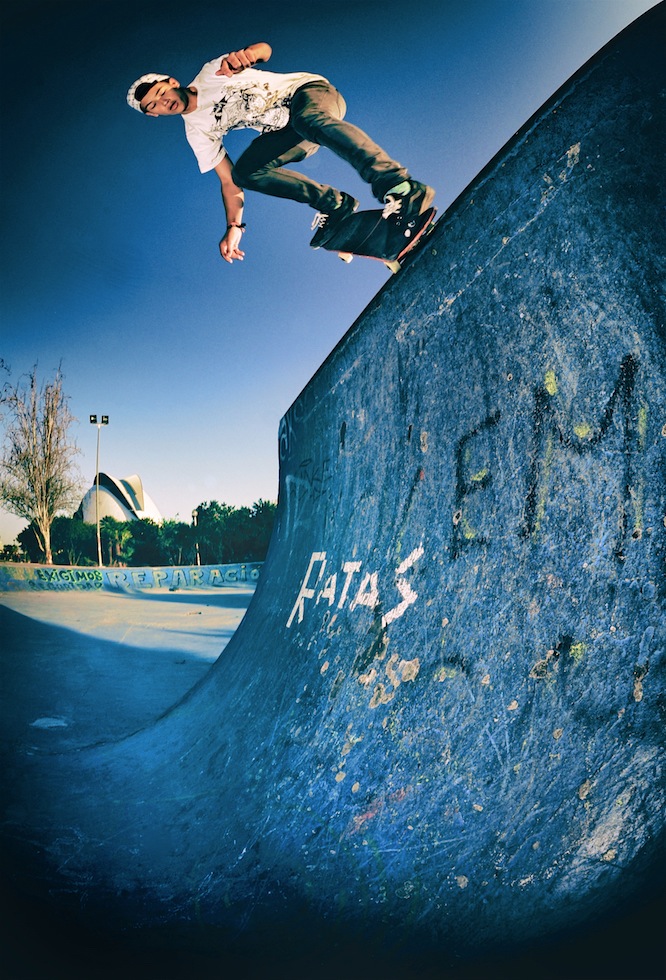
253,99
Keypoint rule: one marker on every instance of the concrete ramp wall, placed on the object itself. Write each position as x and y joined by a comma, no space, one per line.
438,727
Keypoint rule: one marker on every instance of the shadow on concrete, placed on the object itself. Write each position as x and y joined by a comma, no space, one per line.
230,600
91,689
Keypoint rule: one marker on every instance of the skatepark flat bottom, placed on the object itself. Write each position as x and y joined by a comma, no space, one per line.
80,668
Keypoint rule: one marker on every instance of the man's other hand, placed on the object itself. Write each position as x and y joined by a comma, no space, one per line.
229,249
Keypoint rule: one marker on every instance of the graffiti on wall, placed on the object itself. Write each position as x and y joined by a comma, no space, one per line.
15,577
343,587
551,432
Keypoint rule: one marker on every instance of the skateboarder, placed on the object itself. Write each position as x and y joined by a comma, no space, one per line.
295,114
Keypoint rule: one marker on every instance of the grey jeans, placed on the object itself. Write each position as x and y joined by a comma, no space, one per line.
316,119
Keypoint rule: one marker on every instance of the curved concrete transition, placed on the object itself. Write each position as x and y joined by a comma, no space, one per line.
437,729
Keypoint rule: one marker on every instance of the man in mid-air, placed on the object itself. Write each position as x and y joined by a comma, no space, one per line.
295,113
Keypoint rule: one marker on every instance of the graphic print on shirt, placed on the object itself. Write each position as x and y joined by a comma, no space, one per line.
251,107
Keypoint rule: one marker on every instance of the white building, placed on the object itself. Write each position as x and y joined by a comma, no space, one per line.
124,500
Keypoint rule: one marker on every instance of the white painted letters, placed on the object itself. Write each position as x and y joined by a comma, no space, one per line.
409,597
307,592
367,594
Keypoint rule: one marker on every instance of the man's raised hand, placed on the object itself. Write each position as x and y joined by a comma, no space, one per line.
237,61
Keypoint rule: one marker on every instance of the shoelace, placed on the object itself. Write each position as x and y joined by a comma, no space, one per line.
319,220
392,206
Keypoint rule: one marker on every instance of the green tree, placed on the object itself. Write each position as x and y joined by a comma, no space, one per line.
249,531
147,546
178,542
234,534
28,540
73,542
210,532
13,553
117,540
263,520
238,535
37,475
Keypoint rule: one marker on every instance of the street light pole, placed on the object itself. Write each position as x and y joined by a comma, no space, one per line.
195,523
104,420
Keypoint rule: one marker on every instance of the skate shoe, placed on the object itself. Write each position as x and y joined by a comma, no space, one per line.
325,224
406,201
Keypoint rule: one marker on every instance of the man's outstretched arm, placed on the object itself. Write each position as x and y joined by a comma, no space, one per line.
237,61
233,200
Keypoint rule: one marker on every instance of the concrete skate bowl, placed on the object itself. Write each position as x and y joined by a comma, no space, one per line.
437,730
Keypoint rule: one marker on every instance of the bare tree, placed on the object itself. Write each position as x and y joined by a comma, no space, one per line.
38,478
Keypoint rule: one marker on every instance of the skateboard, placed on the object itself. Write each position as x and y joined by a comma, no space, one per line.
388,240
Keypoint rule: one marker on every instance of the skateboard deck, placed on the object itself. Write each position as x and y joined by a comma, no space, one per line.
388,240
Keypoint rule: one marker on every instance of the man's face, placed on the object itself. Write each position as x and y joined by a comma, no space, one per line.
165,98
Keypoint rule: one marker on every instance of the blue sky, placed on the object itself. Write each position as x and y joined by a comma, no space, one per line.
110,263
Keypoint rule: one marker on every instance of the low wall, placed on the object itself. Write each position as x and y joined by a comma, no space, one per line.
68,578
